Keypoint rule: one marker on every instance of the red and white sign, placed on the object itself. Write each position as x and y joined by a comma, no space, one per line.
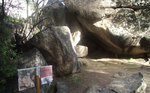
46,74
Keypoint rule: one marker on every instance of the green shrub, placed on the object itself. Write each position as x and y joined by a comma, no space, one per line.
75,79
7,56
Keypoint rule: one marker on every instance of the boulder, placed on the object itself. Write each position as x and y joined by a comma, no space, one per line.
55,13
81,51
97,89
130,84
55,44
29,58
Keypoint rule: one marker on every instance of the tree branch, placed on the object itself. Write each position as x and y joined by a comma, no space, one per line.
33,28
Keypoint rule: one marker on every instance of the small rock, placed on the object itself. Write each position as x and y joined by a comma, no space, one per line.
81,51
119,74
116,75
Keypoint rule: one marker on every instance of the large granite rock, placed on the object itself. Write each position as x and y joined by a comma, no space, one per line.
131,84
55,43
29,58
55,13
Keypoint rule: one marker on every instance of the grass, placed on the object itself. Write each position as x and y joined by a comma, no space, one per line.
75,79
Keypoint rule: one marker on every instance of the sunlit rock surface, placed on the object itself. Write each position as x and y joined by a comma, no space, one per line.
81,51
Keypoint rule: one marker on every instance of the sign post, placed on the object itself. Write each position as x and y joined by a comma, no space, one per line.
37,79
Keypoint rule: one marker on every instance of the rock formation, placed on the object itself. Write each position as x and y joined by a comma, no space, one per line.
118,26
55,44
130,84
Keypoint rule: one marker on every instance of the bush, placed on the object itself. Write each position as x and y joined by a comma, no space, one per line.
8,56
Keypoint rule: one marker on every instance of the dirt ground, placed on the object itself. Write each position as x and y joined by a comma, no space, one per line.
103,71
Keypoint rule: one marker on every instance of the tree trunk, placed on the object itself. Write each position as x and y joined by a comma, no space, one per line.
3,11
27,8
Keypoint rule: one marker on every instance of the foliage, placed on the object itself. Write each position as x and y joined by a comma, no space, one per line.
9,18
19,20
7,56
75,79
143,18
131,59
